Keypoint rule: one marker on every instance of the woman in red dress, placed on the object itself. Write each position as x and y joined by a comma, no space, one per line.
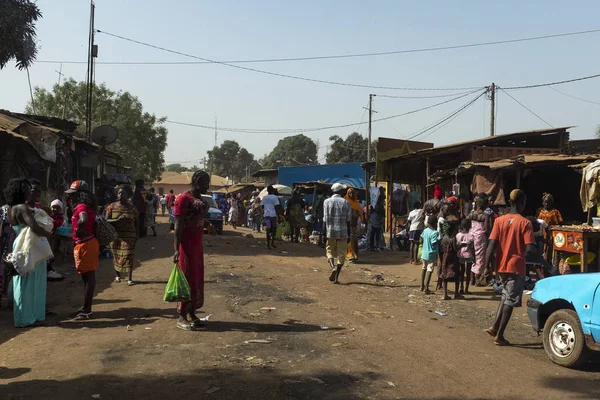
189,213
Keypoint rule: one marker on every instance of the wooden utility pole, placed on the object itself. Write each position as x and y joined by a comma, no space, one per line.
492,109
370,120
92,53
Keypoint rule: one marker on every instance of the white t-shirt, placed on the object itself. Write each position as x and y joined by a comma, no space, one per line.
543,227
269,202
417,219
163,201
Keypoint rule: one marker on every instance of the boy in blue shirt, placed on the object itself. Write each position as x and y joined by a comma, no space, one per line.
429,255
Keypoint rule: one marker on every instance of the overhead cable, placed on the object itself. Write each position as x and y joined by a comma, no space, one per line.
338,56
528,109
306,130
300,78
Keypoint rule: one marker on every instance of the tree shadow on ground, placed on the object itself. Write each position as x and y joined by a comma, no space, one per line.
574,387
227,326
11,373
217,383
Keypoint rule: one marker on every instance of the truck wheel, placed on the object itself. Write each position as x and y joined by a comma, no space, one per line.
564,341
219,231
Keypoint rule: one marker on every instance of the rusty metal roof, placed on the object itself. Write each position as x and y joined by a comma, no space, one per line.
483,142
531,160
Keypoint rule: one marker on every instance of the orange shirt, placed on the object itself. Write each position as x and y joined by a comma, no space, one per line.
513,233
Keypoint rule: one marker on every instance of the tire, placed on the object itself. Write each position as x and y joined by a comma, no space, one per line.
220,231
564,341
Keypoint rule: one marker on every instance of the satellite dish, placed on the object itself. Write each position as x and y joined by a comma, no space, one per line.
104,134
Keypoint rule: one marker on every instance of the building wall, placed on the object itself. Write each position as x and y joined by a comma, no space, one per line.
165,187
350,174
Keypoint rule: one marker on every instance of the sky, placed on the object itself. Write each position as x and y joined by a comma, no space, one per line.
245,30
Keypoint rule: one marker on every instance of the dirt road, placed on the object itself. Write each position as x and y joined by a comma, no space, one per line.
364,339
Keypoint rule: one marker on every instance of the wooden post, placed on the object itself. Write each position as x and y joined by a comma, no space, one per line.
426,178
389,194
584,264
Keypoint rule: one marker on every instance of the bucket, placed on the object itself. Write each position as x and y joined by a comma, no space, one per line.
575,259
596,222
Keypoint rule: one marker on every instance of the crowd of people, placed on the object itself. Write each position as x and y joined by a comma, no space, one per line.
480,246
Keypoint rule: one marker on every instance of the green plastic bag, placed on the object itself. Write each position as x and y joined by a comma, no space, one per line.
420,252
178,288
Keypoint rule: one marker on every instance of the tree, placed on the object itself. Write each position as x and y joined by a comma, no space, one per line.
292,150
231,160
176,168
142,137
17,32
351,149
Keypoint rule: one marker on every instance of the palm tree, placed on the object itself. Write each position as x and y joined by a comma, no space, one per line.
17,32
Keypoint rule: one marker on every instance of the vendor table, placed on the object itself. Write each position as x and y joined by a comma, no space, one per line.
575,239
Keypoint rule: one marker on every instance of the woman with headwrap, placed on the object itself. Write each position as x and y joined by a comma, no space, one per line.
189,213
552,217
481,227
294,214
357,218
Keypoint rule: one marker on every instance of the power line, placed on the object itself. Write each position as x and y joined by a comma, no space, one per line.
552,83
306,130
423,97
338,56
528,109
260,71
574,97
448,118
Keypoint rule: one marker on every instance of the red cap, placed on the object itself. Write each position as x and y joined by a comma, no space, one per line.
78,186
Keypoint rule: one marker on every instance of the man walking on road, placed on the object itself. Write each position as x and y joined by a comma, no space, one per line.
337,215
270,204
511,238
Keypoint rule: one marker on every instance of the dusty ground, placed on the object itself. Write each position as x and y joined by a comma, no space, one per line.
364,339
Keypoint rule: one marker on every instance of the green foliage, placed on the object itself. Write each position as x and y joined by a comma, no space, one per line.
231,160
142,136
17,32
292,150
351,149
176,168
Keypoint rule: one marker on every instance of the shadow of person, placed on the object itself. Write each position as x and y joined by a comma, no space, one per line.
11,373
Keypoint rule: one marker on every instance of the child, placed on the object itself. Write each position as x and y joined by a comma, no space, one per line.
429,254
450,266
150,212
537,260
58,219
466,254
416,219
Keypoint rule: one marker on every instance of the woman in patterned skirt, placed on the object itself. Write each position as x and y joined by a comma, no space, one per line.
125,218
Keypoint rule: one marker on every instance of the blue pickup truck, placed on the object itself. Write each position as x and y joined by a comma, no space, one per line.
566,309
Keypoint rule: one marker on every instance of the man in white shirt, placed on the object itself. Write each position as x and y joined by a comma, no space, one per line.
337,214
270,204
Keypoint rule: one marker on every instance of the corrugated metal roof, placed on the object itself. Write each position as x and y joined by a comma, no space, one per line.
484,141
530,160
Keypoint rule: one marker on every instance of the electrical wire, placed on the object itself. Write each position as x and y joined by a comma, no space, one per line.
552,83
422,97
446,118
306,130
260,71
575,97
338,56
528,109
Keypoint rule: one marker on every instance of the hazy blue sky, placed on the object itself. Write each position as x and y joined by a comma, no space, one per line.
225,30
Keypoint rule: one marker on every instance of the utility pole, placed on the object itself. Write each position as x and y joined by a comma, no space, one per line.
370,119
492,109
92,53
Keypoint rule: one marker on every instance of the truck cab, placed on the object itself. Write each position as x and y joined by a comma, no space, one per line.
566,310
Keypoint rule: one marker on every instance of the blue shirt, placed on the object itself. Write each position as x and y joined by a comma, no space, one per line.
430,245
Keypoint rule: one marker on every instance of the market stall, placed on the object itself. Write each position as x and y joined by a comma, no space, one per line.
581,243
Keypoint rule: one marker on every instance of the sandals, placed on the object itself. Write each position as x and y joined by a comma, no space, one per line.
197,323
130,283
184,326
117,279
501,342
490,332
82,316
